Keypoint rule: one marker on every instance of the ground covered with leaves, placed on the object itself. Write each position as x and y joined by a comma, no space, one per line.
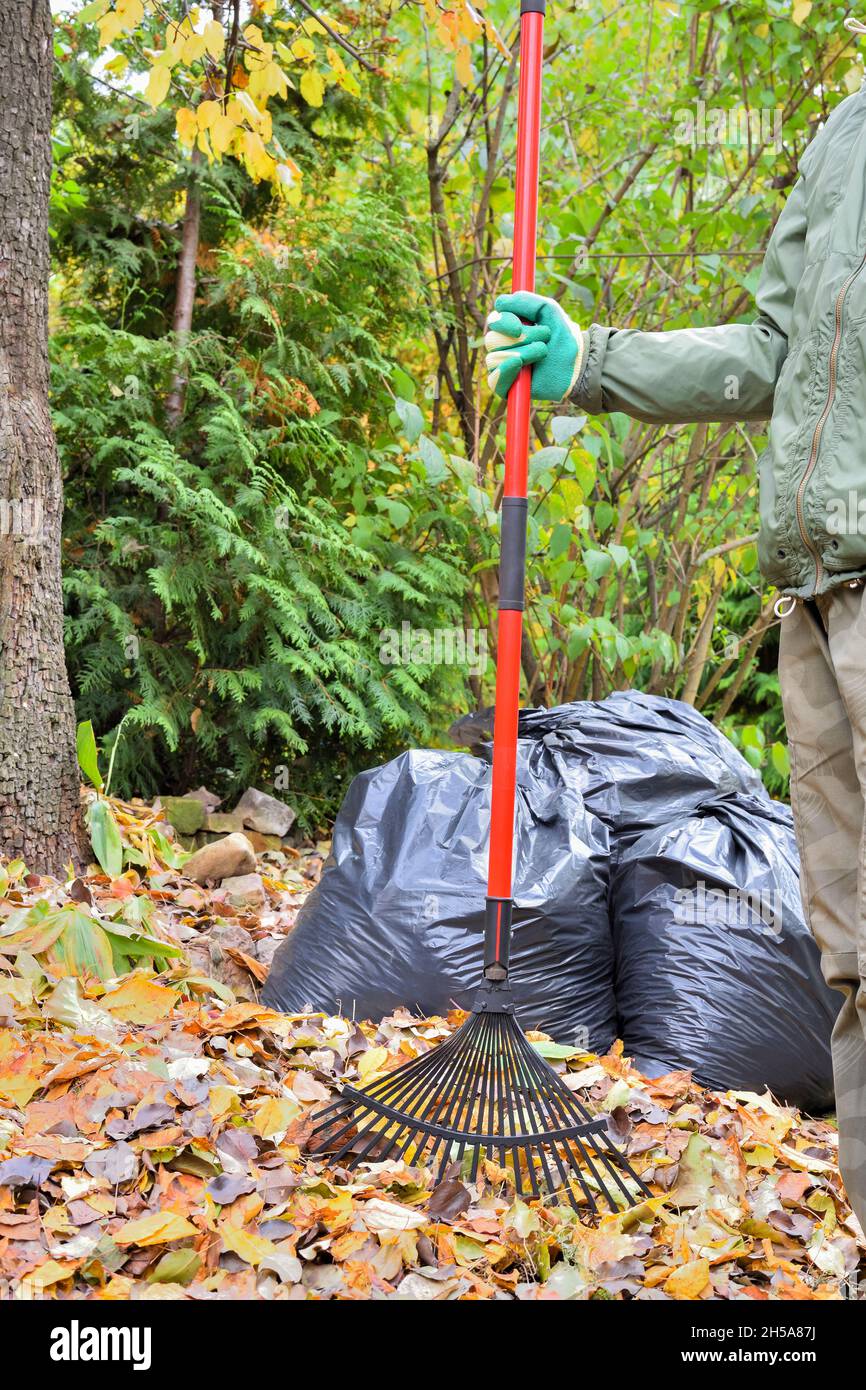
153,1118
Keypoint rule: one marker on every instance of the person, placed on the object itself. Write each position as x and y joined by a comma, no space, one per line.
802,364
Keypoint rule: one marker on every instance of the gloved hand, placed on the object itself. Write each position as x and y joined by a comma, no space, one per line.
548,342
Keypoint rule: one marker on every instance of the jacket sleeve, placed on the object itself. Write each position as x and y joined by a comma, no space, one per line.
688,374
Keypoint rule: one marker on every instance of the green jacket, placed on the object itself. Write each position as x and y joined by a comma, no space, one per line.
802,362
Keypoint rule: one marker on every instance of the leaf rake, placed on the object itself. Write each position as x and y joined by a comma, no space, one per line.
486,1092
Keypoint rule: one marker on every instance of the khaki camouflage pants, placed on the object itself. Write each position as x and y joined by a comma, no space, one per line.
822,671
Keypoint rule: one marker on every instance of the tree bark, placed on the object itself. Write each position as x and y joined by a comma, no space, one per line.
40,818
185,292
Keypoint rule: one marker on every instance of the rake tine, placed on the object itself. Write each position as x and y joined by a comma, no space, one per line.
443,1163
557,1155
567,1102
431,1078
549,1180
617,1160
476,1160
587,1157
502,1091
480,1091
576,1168
361,1154
508,1123
486,1089
506,1066
449,1101
352,1139
335,1137
533,1176
518,1176
510,1117
339,1105
407,1143
551,1185
391,1089
403,1088
414,1098
583,1152
452,1112
547,1097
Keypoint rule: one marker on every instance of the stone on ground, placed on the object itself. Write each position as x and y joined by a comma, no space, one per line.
226,858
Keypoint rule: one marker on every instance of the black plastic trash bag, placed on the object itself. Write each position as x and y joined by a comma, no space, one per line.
398,917
639,760
716,970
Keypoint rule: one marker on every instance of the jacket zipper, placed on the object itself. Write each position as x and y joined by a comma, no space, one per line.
819,427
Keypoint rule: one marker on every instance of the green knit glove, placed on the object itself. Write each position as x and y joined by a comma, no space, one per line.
547,341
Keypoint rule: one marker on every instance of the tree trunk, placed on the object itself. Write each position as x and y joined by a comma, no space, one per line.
40,819
185,292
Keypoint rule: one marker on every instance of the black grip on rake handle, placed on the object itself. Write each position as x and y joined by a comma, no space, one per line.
533,6
512,553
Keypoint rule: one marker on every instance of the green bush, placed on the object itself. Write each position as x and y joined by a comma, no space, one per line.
227,586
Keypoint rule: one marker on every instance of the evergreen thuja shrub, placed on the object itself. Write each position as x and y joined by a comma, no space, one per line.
232,624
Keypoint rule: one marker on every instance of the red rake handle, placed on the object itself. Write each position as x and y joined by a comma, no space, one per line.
512,557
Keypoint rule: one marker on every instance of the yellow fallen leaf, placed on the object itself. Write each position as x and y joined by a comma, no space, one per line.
20,1069
761,1156
689,1281
275,1116
158,1228
796,1159
372,1060
253,1249
139,1000
380,1215
117,1290
18,989
52,1272
223,1100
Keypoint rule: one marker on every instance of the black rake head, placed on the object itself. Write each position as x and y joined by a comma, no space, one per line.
486,1092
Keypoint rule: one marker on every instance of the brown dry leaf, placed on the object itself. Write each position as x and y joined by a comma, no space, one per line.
255,967
307,1088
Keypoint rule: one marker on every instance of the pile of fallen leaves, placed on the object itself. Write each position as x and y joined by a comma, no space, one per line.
152,1128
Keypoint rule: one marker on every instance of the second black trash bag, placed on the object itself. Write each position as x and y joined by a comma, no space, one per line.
398,916
643,759
639,760
716,970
